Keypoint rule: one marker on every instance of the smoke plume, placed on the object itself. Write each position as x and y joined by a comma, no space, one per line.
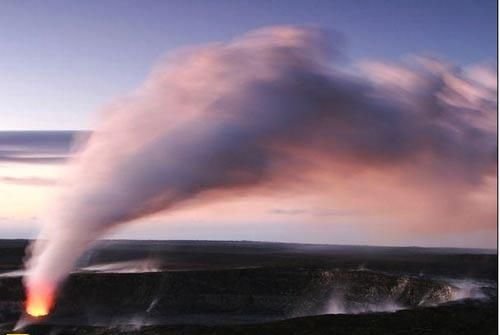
270,107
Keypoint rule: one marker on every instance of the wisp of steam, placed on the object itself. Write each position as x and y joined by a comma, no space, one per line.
259,109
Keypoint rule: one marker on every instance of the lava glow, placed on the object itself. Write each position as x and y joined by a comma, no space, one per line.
39,300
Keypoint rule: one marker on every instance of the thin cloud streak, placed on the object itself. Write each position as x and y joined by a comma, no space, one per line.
29,181
38,147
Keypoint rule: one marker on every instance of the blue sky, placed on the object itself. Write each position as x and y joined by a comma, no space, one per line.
60,61
63,61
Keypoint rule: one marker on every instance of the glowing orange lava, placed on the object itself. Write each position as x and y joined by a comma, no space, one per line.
40,299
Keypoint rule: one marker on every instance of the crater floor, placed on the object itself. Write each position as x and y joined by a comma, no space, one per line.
262,288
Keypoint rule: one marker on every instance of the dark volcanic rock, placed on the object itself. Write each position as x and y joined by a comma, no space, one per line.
246,288
469,318
238,294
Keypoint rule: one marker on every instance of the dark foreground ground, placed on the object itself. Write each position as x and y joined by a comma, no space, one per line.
466,318
198,287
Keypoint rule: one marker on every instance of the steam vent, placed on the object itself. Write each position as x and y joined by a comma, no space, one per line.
125,286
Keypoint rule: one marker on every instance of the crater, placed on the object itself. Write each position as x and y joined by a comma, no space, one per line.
236,296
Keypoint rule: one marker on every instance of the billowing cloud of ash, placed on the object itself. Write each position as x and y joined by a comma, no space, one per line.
270,107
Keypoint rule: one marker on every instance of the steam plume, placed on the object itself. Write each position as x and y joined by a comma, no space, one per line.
260,109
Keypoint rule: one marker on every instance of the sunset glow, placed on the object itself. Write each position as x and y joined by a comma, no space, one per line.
397,148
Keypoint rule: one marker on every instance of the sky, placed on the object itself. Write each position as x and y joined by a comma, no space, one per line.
62,62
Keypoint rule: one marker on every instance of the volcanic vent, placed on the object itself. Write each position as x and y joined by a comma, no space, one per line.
238,295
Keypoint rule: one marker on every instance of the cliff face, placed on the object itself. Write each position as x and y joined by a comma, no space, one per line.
249,294
213,287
